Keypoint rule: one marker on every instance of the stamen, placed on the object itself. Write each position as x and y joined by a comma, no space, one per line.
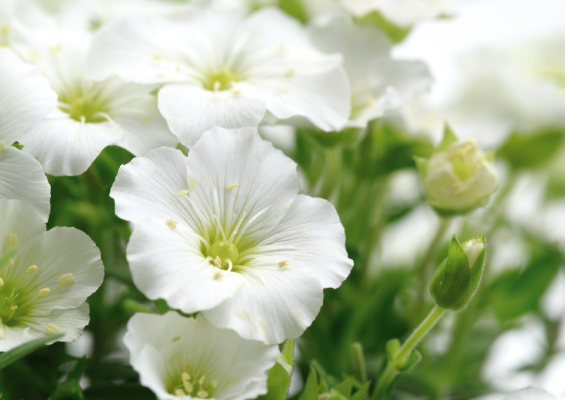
11,240
230,264
44,291
1,282
289,72
213,384
179,392
233,186
1,333
185,376
218,274
217,85
66,280
218,262
32,270
2,147
236,92
52,329
188,366
283,264
175,339
188,386
182,193
219,225
10,262
202,394
171,223
201,380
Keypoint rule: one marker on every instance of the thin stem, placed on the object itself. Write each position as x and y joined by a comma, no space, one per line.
332,170
386,381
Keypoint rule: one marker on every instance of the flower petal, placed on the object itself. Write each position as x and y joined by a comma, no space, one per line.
22,178
21,219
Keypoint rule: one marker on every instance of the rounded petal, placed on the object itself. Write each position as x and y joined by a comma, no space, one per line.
241,179
166,263
311,237
530,394
25,97
22,178
19,218
272,304
191,110
64,146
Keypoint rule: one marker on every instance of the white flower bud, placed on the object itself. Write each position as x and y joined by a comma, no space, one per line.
472,249
459,178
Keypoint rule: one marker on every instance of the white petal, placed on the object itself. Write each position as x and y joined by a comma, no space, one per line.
19,218
149,186
166,263
311,237
530,394
25,97
64,146
22,178
191,110
271,305
265,180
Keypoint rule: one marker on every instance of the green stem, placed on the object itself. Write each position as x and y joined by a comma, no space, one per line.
386,381
331,173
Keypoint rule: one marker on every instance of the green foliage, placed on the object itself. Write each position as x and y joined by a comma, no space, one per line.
529,150
279,377
394,32
70,388
295,9
23,350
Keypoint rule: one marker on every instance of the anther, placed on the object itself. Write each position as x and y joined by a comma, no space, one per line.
236,92
171,223
13,308
32,270
283,264
10,262
218,262
233,186
44,291
201,380
2,147
218,275
289,72
11,240
182,193
52,329
202,394
179,392
1,333
1,282
66,279
185,376
175,339
188,386
213,384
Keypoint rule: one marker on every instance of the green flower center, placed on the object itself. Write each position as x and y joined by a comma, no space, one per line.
85,105
223,251
8,305
194,385
220,79
464,161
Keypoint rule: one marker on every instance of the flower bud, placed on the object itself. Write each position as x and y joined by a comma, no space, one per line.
458,177
457,278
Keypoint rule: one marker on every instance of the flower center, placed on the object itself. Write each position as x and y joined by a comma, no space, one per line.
194,385
8,305
223,254
85,105
464,160
220,79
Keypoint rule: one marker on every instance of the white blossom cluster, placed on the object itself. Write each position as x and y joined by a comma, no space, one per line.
221,233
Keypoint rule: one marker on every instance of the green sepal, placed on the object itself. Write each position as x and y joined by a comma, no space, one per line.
362,392
70,388
333,395
345,387
448,138
311,388
476,274
278,380
323,386
413,359
451,279
288,352
422,165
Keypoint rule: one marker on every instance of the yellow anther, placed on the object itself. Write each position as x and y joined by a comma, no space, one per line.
171,223
370,100
52,329
188,386
175,339
185,376
11,240
2,147
201,380
179,392
192,183
10,262
182,193
1,333
44,291
289,72
32,270
4,29
1,282
218,262
157,57
283,264
218,274
13,308
236,92
66,279
233,186
214,384
202,394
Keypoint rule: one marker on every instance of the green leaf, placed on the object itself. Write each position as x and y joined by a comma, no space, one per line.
323,386
311,388
70,389
448,138
358,361
362,392
394,32
295,9
345,387
422,165
532,149
23,350
287,352
413,359
277,383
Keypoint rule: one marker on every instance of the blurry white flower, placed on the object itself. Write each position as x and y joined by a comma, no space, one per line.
89,115
43,287
223,231
401,12
25,98
220,69
178,357
378,83
530,394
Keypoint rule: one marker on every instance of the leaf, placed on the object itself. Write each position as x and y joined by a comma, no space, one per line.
345,387
70,389
362,392
23,350
323,386
532,149
277,383
287,351
311,388
448,138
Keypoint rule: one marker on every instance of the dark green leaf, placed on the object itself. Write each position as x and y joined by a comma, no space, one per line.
23,350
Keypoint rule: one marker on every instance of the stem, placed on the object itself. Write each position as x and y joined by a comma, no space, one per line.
331,175
358,359
386,381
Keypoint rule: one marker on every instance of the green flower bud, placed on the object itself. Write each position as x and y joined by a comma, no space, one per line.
457,278
458,177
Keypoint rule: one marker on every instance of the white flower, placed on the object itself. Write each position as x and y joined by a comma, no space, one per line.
90,115
378,83
530,394
180,357
223,231
25,98
401,12
49,276
220,69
